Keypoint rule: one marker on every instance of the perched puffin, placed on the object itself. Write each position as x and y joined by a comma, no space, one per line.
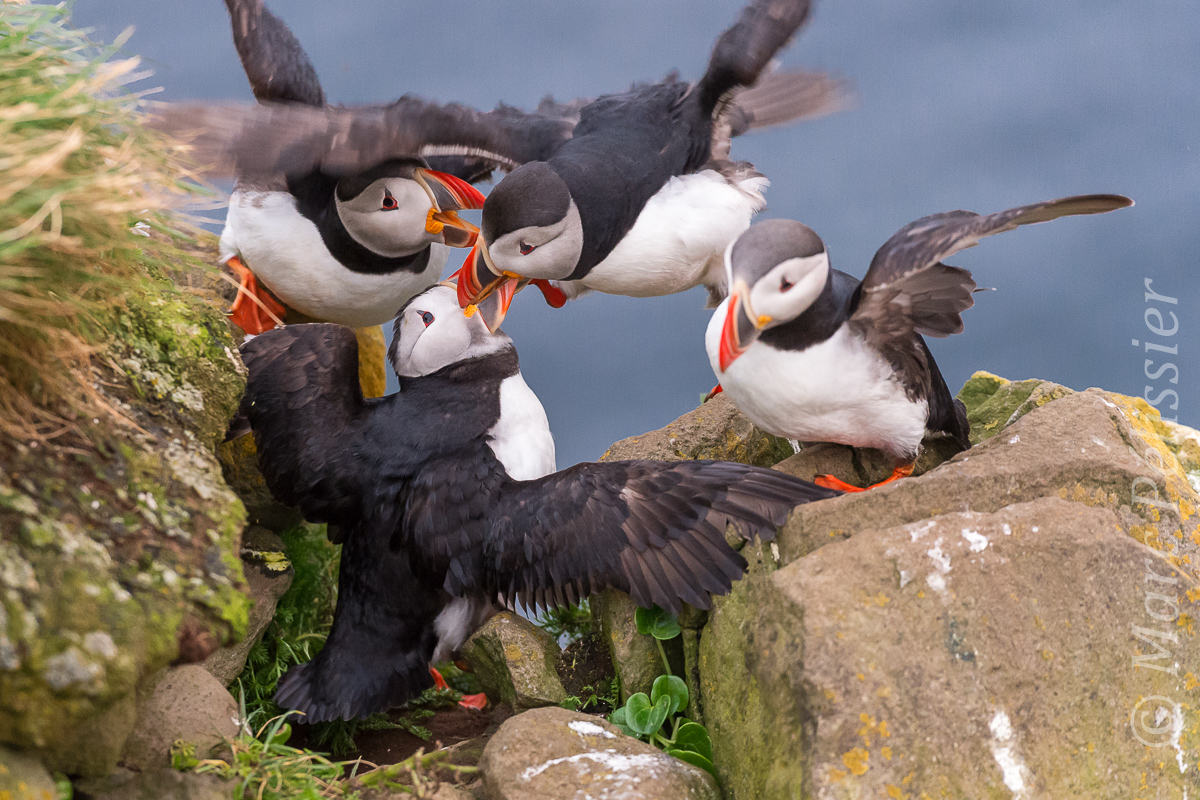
443,492
349,239
643,200
810,353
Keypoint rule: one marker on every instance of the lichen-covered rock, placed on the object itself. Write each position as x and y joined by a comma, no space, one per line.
635,657
993,403
187,704
715,430
514,662
119,551
268,576
1001,626
557,754
22,777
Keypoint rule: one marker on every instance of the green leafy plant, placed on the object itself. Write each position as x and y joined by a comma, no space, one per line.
606,693
655,718
567,623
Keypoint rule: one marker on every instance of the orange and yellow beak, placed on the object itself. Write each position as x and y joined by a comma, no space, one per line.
738,331
448,195
480,286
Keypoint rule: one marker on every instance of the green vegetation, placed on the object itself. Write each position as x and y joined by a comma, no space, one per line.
77,173
655,718
567,623
596,697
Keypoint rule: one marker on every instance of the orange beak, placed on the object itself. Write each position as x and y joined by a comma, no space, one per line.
448,195
490,293
736,334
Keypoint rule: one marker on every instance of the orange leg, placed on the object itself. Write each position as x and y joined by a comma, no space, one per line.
438,681
830,482
716,390
254,310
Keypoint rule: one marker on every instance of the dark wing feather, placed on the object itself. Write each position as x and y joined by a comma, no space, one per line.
651,528
298,140
378,651
907,280
303,399
743,51
277,66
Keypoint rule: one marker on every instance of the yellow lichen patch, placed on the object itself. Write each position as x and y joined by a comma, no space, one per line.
907,779
1047,655
1186,622
831,695
1190,681
856,761
886,752
896,792
836,775
883,691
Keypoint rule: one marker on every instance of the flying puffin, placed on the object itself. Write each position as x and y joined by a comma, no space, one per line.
812,354
347,239
444,493
643,200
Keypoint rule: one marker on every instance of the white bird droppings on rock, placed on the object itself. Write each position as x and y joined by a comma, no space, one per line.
975,540
619,764
1004,750
590,729
1016,438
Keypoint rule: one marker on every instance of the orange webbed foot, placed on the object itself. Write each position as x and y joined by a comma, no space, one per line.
830,482
438,681
476,701
255,310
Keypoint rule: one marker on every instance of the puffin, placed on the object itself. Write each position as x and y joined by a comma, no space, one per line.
451,507
347,240
810,353
643,199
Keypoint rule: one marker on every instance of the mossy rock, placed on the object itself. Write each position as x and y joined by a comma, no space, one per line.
119,552
993,403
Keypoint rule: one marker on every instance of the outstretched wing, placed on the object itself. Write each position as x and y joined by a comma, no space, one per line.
303,399
907,289
745,49
277,66
297,140
654,529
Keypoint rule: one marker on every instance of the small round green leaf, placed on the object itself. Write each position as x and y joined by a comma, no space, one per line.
658,714
618,718
672,687
694,737
644,619
695,759
637,714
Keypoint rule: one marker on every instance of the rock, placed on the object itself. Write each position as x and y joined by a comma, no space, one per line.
22,777
93,746
187,704
994,403
156,784
239,466
555,753
975,631
268,575
715,430
635,657
1088,446
956,656
514,662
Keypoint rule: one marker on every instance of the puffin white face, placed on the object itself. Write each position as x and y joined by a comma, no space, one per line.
388,217
432,332
776,270
787,290
539,251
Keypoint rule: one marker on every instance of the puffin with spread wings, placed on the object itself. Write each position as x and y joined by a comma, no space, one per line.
343,212
813,354
450,503
643,199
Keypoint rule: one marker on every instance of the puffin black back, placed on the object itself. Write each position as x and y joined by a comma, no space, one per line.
421,485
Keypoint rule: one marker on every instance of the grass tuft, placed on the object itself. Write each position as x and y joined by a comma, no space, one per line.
78,172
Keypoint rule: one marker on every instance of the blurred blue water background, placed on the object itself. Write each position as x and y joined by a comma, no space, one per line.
961,104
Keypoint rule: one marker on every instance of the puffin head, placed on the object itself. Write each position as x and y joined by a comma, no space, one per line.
401,207
432,331
531,230
776,270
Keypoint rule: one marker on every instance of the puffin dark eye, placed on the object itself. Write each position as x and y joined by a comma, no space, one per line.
526,249
785,284
427,318
389,202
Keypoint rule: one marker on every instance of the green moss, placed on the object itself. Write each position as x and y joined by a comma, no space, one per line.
993,403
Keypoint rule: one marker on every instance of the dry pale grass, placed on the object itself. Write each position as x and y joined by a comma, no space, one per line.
77,173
